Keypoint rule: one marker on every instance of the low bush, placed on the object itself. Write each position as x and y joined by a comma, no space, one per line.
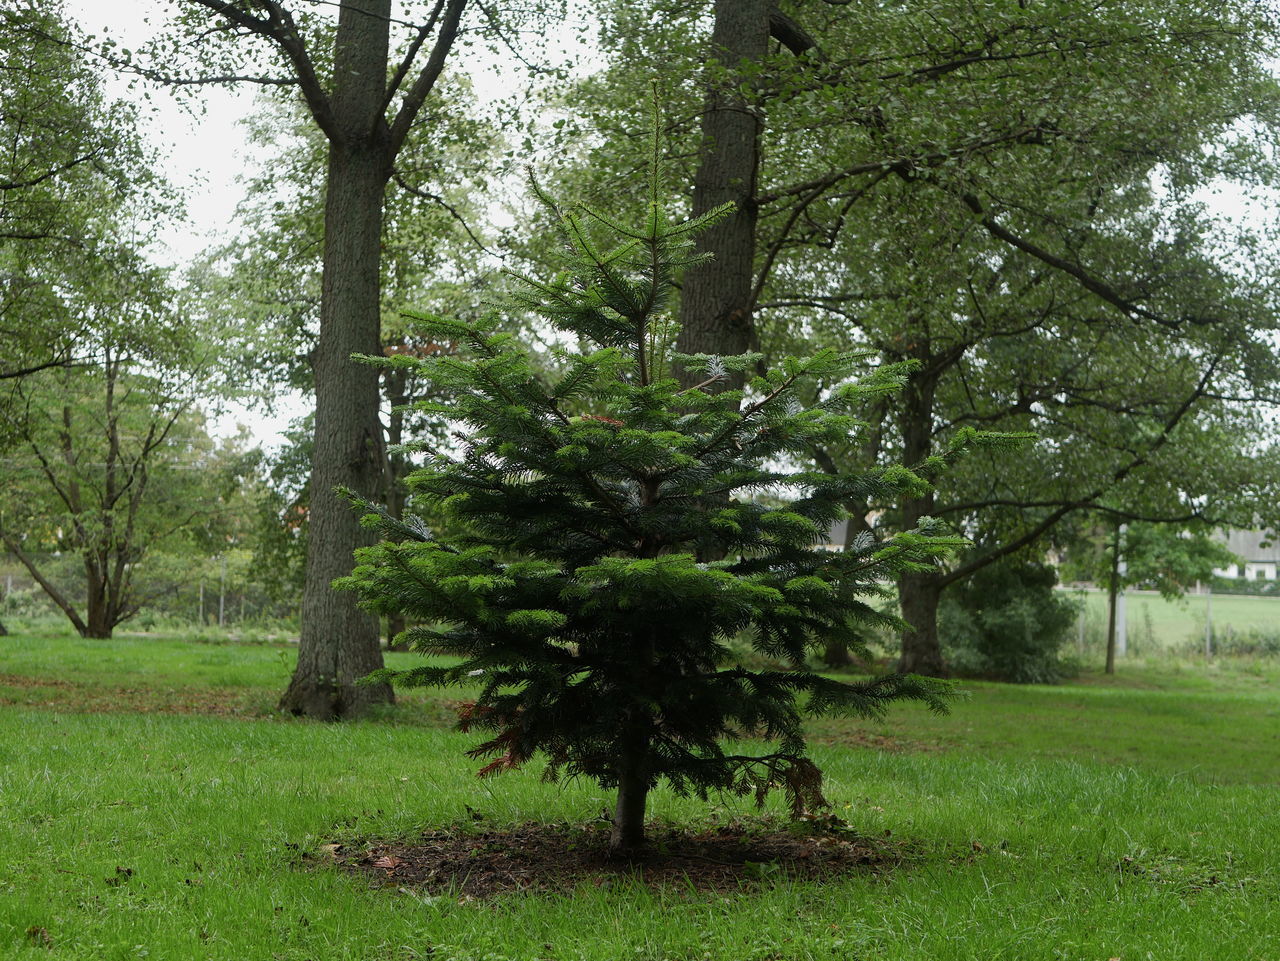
1008,622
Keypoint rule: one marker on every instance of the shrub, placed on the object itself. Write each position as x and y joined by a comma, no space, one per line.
1008,622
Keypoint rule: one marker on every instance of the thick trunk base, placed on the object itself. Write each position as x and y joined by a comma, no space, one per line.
921,649
329,701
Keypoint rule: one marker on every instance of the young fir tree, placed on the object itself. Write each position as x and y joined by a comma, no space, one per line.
574,594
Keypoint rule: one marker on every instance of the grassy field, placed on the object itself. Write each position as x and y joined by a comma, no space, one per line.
1158,625
153,807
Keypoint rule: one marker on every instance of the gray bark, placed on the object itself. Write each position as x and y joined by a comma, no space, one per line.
339,643
716,301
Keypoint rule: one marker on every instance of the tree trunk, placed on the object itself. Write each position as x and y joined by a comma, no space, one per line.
339,643
715,303
836,654
627,837
918,595
1111,607
919,592
98,621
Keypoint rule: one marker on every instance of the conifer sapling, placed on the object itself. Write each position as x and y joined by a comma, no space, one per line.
573,593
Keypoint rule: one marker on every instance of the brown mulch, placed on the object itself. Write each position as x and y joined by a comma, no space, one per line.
534,857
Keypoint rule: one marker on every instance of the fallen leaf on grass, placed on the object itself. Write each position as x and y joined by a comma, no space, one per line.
39,936
331,850
388,861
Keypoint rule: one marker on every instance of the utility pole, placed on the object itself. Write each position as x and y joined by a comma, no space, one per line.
222,588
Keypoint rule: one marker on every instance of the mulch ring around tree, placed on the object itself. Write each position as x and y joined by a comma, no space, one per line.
533,857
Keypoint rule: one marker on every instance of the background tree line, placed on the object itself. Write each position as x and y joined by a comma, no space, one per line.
1006,195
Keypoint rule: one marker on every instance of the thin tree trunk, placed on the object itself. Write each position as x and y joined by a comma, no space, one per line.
627,837
396,467
339,643
715,303
1112,593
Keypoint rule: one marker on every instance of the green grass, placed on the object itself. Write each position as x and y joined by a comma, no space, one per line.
1131,820
1156,624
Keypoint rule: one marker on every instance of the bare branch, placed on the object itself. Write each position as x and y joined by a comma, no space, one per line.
36,368
1087,280
437,199
790,34
279,27
406,62
1118,475
49,174
903,165
416,96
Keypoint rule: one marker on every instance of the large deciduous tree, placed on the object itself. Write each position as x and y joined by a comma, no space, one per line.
973,188
366,102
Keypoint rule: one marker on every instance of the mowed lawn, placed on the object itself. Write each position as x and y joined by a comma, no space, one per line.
1155,624
153,807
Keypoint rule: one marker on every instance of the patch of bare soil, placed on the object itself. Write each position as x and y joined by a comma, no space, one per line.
892,743
57,694
556,857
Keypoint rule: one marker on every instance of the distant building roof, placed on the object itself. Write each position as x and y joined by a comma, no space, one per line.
1249,546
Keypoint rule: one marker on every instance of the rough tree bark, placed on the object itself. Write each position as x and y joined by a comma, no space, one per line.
919,592
340,643
716,302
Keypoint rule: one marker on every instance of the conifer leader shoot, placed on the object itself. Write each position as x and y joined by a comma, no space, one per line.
573,592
